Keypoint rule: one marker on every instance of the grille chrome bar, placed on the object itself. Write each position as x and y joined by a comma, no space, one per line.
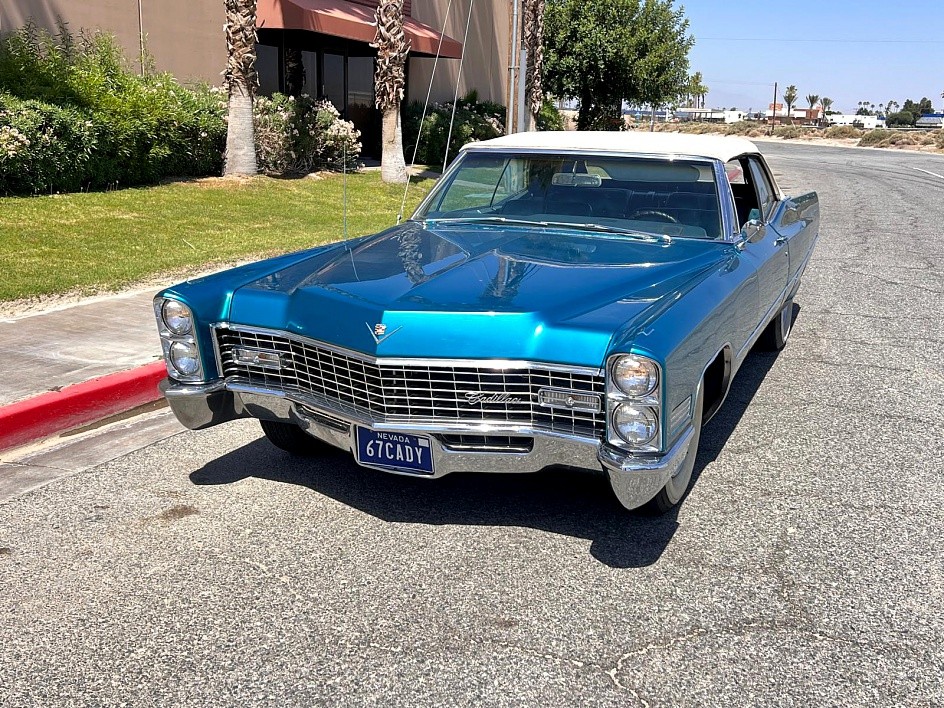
427,391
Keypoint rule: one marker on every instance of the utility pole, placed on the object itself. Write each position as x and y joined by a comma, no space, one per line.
773,113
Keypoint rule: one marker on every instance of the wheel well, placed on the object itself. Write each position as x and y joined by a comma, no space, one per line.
715,380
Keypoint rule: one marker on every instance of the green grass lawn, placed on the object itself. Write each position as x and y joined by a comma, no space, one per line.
107,240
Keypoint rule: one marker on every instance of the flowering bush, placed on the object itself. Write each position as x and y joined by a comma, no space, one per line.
475,120
298,136
43,147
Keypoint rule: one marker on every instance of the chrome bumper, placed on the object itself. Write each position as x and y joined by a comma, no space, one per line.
635,479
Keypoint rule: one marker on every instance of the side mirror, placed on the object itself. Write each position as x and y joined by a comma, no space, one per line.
753,230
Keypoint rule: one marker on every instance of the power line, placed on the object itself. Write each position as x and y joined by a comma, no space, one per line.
819,41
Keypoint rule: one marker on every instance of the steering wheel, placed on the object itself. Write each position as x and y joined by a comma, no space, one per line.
652,212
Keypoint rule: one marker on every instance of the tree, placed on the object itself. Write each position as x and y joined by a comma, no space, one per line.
389,80
900,118
605,52
790,97
826,104
812,99
695,90
241,80
925,107
891,107
533,34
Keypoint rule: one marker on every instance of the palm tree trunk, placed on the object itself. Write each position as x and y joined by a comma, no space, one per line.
533,33
241,79
240,142
389,82
392,163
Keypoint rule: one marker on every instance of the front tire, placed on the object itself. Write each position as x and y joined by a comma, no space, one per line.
291,438
673,491
778,331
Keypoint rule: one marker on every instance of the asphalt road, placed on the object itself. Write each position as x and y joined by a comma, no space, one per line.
804,568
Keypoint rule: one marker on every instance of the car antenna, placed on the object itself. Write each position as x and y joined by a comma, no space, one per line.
419,133
344,184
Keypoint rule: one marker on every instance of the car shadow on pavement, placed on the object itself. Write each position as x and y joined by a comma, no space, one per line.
563,501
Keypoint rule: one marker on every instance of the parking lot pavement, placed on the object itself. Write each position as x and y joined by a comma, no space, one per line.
804,568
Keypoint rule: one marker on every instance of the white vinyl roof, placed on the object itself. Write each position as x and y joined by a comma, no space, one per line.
719,147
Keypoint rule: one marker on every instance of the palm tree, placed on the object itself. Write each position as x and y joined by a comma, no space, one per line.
812,100
696,90
389,80
241,81
826,103
533,38
790,97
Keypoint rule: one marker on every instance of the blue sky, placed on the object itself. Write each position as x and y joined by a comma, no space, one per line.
862,50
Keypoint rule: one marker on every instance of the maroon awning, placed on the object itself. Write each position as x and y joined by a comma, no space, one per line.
349,20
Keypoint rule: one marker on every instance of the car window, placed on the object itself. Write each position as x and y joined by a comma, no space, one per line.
765,192
478,186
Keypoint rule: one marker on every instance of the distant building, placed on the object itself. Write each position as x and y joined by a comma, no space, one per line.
930,120
801,116
865,122
710,115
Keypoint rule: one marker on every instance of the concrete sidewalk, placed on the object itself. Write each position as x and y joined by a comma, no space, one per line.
76,363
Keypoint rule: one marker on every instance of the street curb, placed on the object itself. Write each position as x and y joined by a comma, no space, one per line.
78,404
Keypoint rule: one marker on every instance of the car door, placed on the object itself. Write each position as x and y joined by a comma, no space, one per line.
770,248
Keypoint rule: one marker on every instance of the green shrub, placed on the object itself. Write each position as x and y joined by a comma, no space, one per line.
475,120
837,132
298,136
875,137
549,118
43,148
790,132
97,123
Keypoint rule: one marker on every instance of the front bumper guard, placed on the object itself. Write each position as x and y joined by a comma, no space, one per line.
635,479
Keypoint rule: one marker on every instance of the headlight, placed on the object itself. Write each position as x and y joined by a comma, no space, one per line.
635,376
177,317
184,357
637,425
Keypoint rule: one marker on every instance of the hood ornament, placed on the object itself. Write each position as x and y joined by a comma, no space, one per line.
379,332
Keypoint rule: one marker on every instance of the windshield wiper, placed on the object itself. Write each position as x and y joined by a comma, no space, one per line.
600,228
645,235
486,220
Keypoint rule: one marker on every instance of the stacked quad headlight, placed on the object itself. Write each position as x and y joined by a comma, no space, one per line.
634,402
181,353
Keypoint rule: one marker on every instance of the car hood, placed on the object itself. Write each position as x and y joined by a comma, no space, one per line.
477,292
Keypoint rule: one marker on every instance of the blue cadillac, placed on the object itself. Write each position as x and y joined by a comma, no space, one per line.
576,299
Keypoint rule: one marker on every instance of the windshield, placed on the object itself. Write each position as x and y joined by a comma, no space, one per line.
632,194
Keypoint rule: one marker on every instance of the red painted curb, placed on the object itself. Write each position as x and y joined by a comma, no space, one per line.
57,411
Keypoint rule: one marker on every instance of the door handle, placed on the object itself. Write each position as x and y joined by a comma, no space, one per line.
780,240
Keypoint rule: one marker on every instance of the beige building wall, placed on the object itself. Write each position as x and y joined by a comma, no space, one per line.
184,37
487,50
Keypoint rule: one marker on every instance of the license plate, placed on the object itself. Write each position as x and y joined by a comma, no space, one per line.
394,451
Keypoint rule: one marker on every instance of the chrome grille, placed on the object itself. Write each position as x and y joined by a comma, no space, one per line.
416,393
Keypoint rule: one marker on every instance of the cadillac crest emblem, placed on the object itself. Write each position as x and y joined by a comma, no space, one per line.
379,332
